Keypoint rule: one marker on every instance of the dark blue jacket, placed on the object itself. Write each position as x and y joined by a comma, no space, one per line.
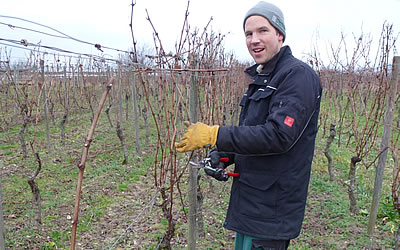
272,148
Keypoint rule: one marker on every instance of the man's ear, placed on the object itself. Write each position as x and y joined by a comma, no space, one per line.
280,37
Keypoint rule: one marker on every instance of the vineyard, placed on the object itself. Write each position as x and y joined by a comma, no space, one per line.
87,148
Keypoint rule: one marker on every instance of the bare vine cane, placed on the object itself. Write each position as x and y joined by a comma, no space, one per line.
82,164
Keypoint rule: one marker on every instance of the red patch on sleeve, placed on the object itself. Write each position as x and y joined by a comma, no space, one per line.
288,121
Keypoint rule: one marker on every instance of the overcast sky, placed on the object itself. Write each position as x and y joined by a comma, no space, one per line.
107,22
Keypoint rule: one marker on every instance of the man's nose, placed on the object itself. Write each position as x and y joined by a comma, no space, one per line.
255,38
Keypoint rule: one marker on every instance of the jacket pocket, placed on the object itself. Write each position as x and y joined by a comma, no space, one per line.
258,106
262,93
258,195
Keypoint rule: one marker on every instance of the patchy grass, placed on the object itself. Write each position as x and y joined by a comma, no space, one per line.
328,223
117,210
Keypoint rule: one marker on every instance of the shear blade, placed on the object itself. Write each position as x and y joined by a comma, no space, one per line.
195,164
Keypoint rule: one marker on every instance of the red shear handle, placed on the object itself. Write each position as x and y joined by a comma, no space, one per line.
233,174
224,159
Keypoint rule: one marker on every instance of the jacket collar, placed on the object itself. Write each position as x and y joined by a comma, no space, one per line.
270,66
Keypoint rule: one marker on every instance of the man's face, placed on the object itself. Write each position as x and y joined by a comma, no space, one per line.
262,39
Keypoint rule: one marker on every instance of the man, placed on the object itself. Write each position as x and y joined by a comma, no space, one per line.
273,146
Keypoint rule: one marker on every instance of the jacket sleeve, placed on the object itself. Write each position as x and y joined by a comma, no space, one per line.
291,108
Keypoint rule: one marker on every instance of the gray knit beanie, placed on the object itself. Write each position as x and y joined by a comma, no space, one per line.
271,12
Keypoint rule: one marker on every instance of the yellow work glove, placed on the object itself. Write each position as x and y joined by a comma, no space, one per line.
197,136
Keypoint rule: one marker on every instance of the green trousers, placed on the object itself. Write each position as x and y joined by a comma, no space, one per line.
244,242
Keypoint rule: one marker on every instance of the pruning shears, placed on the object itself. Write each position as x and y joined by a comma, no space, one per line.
206,164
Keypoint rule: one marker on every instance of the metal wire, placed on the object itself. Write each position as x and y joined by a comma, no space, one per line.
96,45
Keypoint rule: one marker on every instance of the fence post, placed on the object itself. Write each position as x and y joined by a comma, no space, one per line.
66,94
387,128
16,108
46,116
120,92
192,234
135,113
65,116
2,237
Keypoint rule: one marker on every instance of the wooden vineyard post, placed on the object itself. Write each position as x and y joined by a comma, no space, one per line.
192,232
387,128
135,113
83,161
46,112
120,93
